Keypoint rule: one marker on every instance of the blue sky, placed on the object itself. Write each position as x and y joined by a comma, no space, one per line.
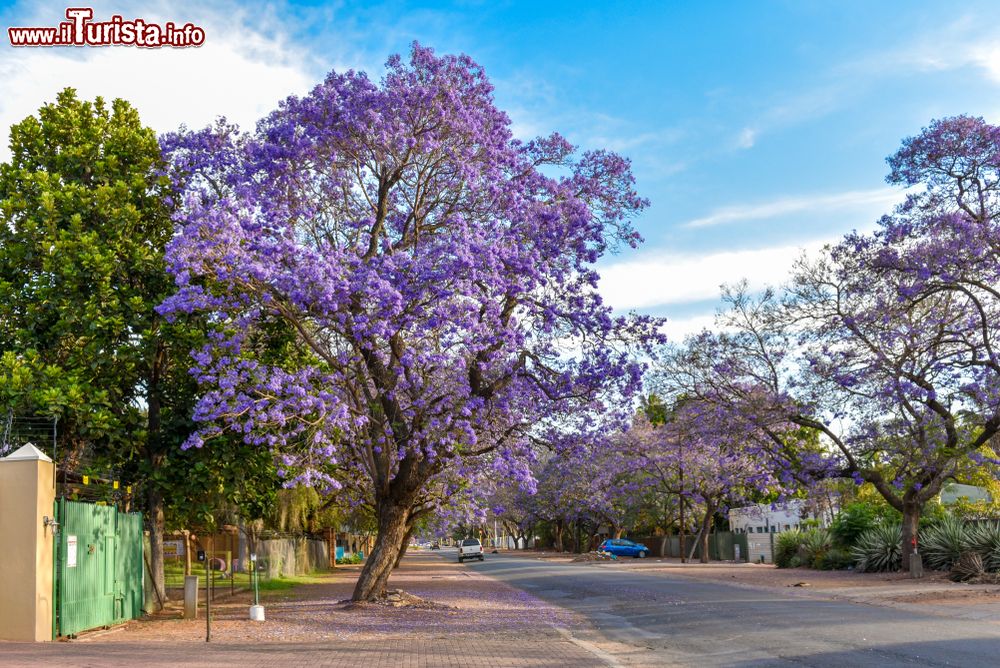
756,129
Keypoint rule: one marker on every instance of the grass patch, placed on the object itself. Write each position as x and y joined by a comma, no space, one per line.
174,578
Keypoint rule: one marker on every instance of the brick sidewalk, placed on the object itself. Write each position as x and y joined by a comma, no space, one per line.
389,653
483,622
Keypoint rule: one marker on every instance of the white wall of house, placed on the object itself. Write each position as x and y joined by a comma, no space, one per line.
763,519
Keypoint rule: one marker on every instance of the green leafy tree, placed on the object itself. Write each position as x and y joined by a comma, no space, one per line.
84,220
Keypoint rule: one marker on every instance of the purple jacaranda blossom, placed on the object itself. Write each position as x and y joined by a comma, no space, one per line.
438,282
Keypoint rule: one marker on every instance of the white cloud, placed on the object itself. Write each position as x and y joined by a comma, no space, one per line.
677,329
965,42
881,197
747,138
245,67
660,279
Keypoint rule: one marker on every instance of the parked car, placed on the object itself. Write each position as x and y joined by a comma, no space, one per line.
624,548
470,548
435,545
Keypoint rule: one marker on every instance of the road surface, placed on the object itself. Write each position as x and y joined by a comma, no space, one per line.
653,618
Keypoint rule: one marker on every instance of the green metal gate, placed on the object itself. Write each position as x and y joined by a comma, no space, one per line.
98,567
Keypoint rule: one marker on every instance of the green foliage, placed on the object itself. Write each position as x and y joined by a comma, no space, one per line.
655,409
878,549
294,510
353,558
931,514
852,521
985,540
84,222
816,542
814,548
835,559
83,225
786,548
942,544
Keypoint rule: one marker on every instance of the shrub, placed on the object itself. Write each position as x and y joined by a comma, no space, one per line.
985,540
786,547
352,558
943,543
967,567
878,548
836,559
815,544
852,521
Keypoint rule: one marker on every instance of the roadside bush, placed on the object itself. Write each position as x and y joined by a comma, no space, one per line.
942,544
786,549
815,544
878,548
852,521
352,558
836,559
985,540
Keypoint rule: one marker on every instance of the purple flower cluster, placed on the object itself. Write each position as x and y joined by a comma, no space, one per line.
439,284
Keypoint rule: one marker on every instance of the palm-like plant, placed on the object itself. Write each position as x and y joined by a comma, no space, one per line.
878,548
786,546
985,540
942,544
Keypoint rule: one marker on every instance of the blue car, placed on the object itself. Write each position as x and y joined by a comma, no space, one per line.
624,548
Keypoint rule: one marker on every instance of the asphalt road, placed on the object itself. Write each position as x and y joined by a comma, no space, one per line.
656,619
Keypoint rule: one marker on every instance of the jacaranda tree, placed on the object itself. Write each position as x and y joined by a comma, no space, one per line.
438,273
698,453
886,344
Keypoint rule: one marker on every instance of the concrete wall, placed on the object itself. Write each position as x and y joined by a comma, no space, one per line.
27,494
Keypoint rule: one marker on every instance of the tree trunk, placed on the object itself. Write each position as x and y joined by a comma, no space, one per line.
618,531
706,527
155,501
154,458
405,544
681,538
911,525
559,535
393,519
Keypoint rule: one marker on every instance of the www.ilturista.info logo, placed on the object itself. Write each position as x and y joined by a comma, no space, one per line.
80,30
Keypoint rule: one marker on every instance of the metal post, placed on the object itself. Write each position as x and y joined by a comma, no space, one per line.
256,580
55,422
208,599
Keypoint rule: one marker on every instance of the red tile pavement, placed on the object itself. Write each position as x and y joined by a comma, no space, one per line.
387,653
481,622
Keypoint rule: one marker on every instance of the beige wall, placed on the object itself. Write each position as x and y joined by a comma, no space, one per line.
26,547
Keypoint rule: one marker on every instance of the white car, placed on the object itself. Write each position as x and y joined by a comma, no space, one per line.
470,548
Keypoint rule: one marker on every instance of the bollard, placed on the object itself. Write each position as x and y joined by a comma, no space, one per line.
190,597
916,566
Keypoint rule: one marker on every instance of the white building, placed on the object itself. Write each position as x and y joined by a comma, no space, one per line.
762,521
